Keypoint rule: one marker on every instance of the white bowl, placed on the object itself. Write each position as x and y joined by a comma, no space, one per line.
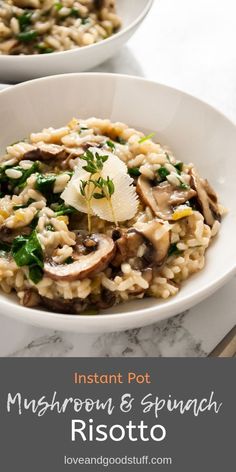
196,133
19,68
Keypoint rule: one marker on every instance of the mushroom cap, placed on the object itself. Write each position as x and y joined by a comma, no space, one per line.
85,265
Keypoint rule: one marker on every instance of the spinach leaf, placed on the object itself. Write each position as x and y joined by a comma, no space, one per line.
173,250
45,184
63,209
179,166
74,12
27,36
120,140
9,184
34,222
18,243
35,274
163,172
4,249
26,174
69,260
3,177
25,20
27,251
134,171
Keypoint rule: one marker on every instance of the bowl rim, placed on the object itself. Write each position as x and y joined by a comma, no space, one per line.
113,37
166,308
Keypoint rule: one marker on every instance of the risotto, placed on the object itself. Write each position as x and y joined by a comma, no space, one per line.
46,26
96,213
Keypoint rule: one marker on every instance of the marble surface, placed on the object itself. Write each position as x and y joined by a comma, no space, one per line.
188,45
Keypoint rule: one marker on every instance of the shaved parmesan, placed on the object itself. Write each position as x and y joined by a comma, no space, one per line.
123,203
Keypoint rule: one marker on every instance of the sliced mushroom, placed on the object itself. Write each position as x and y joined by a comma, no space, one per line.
155,246
27,3
127,244
31,298
46,152
158,243
85,265
145,191
206,198
162,198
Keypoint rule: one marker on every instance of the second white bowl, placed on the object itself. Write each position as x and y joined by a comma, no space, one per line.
19,68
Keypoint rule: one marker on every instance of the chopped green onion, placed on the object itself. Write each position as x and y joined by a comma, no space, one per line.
44,49
58,6
146,138
183,185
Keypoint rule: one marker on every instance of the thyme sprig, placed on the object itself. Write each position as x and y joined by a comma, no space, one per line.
98,187
94,161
